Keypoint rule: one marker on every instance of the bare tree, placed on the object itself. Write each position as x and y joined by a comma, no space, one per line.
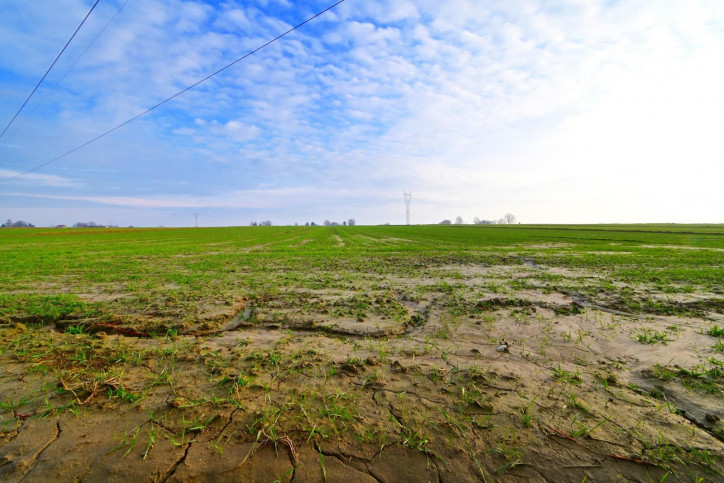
351,222
445,222
327,223
510,219
459,220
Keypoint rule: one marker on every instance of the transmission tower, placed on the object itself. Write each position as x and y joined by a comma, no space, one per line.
196,217
408,198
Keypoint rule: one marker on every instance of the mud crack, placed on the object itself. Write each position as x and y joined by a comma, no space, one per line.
437,469
228,423
37,455
369,472
170,472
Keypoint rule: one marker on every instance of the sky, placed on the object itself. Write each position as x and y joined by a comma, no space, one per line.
585,111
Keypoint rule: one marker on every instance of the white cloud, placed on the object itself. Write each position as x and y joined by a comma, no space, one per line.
525,104
240,131
39,179
260,198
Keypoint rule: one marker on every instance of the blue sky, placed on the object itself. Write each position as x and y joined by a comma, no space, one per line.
563,111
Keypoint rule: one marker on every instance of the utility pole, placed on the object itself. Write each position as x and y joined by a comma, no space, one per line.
196,217
408,198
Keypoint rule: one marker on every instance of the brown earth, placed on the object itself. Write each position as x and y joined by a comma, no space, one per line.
384,383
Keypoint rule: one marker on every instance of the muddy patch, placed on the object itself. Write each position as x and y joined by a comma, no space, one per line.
457,373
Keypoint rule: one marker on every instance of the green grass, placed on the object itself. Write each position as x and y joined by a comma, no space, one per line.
42,308
48,275
63,293
651,336
702,378
569,377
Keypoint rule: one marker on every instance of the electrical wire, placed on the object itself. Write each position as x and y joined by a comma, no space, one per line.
52,89
49,68
175,95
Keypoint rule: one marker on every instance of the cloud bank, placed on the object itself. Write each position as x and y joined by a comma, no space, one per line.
555,111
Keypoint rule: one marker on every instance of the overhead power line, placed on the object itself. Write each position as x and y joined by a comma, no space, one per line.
108,23
49,68
322,12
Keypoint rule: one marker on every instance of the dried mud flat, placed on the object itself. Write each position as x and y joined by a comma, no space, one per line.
435,378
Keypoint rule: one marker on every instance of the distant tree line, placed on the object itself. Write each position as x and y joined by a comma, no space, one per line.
16,224
80,224
508,219
349,222
91,224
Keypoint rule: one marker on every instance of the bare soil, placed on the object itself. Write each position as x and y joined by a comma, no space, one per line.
386,383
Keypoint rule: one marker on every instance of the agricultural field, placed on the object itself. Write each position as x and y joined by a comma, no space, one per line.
363,353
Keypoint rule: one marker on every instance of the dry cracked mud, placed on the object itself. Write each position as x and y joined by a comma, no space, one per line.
384,382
